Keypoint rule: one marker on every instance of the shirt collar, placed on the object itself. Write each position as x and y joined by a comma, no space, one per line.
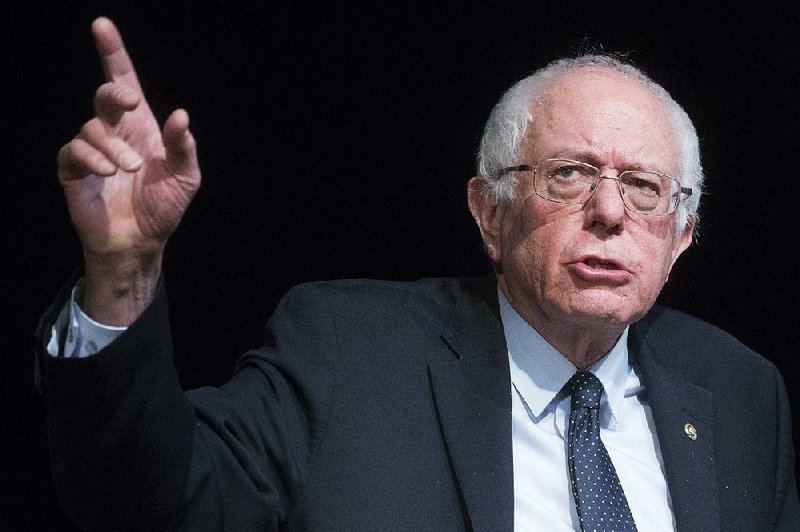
539,371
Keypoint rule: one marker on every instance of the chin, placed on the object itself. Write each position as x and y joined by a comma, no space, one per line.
605,309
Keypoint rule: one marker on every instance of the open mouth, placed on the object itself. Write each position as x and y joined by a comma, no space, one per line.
595,263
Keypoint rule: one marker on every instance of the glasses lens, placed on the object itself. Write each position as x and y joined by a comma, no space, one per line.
565,181
649,192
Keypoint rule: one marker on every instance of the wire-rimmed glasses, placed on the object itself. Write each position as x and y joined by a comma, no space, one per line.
574,182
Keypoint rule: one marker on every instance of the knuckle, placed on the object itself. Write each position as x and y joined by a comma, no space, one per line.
64,153
94,131
94,159
102,92
69,159
88,128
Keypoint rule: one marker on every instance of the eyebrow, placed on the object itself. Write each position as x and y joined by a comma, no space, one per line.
593,159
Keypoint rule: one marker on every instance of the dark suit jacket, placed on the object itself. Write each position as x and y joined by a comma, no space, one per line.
387,406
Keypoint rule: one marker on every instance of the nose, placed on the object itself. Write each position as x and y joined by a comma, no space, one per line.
605,208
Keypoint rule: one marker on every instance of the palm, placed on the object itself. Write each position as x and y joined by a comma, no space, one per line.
130,209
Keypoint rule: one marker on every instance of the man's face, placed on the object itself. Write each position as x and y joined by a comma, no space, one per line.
597,264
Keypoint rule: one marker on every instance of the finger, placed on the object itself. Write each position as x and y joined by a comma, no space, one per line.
117,66
180,145
100,136
112,100
78,159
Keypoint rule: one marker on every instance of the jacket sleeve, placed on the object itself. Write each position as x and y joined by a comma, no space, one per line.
130,450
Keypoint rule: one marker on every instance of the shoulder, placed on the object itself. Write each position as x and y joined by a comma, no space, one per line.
363,308
353,297
429,287
675,325
695,348
359,325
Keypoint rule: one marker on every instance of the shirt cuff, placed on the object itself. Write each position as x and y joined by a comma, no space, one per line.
84,336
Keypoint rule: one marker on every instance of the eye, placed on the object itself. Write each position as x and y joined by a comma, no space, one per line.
568,172
644,183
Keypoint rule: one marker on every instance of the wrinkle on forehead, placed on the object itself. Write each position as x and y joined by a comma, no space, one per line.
607,115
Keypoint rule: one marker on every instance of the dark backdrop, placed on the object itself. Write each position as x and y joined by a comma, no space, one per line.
336,141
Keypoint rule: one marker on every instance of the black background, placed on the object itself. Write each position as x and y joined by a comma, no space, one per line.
336,141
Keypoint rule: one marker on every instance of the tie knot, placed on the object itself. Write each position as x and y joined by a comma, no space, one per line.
585,389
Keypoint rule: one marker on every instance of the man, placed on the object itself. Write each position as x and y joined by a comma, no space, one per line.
444,404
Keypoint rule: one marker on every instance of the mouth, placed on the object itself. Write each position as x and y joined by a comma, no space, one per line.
600,270
601,264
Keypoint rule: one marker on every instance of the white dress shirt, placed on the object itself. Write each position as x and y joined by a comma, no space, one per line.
540,414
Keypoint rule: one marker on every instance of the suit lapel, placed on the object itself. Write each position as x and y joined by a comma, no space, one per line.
681,410
473,401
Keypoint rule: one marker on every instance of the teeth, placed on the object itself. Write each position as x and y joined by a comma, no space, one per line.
600,265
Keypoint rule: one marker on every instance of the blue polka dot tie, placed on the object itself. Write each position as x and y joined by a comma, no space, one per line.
599,498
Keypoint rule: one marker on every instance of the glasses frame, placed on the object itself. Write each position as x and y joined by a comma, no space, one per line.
528,168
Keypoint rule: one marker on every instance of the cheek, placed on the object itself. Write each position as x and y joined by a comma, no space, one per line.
534,251
655,256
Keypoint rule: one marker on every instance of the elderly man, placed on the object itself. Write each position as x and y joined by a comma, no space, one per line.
550,396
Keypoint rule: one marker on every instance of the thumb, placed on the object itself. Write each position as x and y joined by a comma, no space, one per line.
180,145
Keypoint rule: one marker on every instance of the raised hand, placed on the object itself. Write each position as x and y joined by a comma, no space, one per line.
127,184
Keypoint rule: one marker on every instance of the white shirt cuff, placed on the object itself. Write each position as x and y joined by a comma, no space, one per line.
85,337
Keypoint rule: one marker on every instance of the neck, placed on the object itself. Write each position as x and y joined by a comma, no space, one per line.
583,341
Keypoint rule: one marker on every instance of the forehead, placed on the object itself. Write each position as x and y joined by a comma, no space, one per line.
600,114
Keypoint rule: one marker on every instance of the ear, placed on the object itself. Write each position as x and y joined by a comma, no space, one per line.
682,241
486,213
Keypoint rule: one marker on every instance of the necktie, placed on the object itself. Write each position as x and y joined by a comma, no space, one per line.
599,498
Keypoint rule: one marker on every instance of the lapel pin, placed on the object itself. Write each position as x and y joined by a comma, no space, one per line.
690,431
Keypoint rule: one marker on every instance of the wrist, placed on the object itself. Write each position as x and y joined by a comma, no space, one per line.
117,289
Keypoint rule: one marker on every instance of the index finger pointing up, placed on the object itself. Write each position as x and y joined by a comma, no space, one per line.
117,66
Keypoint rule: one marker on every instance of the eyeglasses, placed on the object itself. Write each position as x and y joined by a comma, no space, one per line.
574,182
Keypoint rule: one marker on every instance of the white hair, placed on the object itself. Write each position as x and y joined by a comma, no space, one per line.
508,122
